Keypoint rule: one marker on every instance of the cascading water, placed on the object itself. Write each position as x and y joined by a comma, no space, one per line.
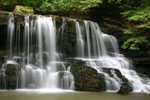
80,41
103,53
10,34
37,55
36,52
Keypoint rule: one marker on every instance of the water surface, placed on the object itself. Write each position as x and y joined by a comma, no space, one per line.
68,95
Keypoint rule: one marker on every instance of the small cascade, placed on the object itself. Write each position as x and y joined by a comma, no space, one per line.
10,34
103,55
94,40
80,41
109,41
88,38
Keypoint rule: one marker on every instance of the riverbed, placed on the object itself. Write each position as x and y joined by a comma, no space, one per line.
67,95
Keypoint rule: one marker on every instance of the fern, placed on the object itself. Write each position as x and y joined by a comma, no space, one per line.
128,31
134,43
146,25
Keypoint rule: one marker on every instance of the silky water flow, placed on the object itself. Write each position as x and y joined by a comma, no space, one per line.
41,64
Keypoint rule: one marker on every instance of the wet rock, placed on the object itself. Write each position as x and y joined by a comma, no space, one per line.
109,71
125,88
9,76
87,78
116,72
4,17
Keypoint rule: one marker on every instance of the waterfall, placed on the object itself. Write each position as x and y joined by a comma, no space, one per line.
88,38
37,50
103,53
36,54
80,41
10,34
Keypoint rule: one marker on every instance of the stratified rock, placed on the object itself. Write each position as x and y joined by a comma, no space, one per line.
4,18
87,78
23,10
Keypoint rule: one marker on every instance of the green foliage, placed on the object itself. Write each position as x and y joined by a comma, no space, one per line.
145,3
140,15
29,3
144,26
66,5
128,31
85,4
134,43
141,19
130,4
69,5
127,13
32,3
59,5
137,14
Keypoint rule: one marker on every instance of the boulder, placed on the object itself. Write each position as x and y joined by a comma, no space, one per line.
87,78
23,10
125,88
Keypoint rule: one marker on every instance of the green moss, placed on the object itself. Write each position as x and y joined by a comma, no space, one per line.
23,10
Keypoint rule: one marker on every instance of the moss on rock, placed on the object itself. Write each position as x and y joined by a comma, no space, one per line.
23,10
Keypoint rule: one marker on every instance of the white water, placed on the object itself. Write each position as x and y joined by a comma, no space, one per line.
103,52
80,41
40,68
41,63
88,38
10,34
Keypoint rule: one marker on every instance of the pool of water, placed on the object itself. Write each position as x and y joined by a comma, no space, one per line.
67,95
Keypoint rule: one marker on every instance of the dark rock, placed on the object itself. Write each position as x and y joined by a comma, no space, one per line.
126,88
108,70
87,78
4,17
117,72
142,66
10,76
